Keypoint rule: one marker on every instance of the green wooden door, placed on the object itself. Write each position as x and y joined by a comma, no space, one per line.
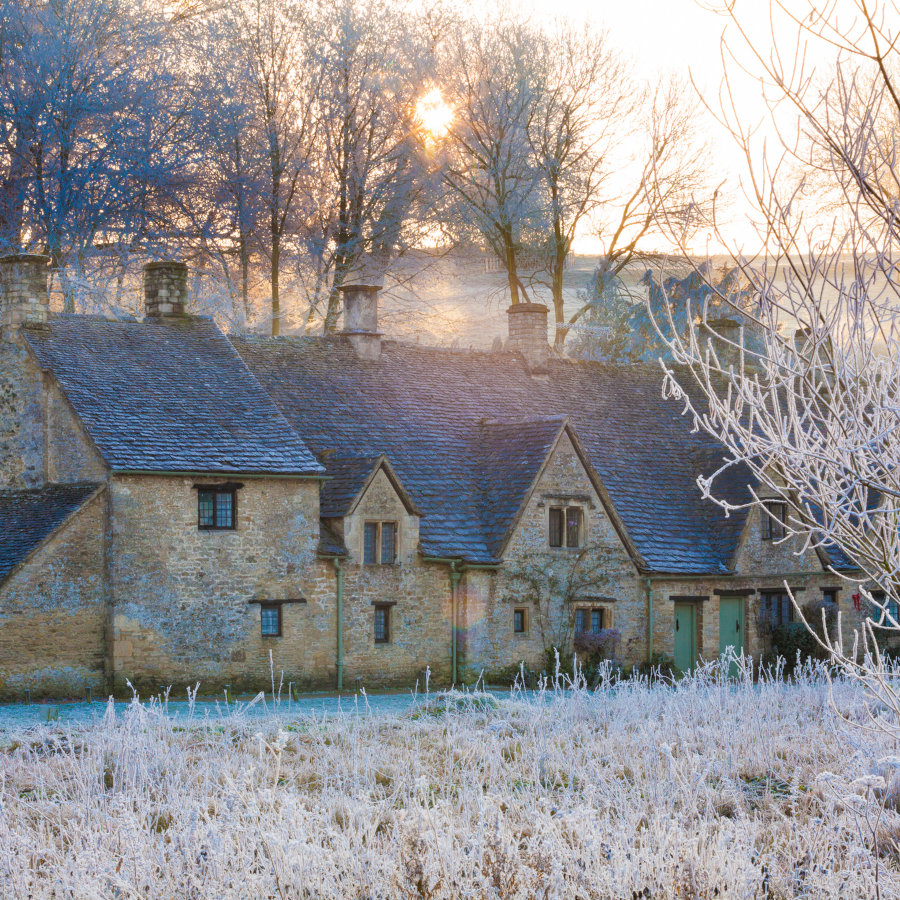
731,626
685,636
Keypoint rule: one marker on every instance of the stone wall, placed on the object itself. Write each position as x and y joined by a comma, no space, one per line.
53,614
70,455
420,620
21,417
183,599
604,570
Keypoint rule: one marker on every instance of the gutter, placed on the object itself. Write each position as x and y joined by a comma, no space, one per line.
165,473
649,586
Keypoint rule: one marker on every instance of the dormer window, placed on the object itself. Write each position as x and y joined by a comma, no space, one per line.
774,516
217,507
566,526
380,543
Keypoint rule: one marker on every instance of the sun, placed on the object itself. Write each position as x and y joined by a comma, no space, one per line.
434,113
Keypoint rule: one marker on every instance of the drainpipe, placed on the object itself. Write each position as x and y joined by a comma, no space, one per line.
455,575
649,622
339,572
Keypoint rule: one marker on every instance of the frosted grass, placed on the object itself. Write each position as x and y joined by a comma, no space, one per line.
700,789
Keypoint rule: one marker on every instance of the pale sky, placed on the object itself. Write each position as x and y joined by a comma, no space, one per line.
683,37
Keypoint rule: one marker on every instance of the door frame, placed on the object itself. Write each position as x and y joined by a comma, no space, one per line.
691,604
742,615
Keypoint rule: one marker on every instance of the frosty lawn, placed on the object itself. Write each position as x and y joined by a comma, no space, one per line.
704,789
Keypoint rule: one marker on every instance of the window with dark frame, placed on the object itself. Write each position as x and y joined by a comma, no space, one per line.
887,615
520,621
589,620
774,516
566,526
216,508
777,608
379,543
382,624
830,595
270,619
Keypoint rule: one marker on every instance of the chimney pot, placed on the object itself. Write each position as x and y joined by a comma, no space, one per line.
360,288
24,293
528,333
165,289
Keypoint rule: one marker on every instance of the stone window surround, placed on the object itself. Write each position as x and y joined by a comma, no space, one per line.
524,613
565,505
606,616
277,604
773,529
221,487
279,621
397,541
385,607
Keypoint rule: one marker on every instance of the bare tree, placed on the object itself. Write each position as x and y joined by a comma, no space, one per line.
96,128
366,196
492,81
585,108
812,415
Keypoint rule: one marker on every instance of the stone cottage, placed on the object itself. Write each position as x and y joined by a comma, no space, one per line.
181,506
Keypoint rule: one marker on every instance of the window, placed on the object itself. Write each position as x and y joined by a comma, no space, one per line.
889,615
777,608
774,515
565,526
589,621
216,508
270,619
830,595
382,624
380,543
520,621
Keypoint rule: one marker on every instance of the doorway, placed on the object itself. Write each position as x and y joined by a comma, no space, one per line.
685,636
731,628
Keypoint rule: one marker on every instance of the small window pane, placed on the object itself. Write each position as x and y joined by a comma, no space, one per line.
270,618
596,621
370,543
519,621
382,624
388,542
556,528
206,502
224,510
580,621
573,526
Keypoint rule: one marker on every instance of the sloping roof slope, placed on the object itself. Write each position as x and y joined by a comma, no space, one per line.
423,408
509,456
29,517
168,396
347,477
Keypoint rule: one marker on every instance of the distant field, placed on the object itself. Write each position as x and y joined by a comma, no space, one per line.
703,790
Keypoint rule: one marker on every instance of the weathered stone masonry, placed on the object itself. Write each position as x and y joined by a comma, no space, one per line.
108,430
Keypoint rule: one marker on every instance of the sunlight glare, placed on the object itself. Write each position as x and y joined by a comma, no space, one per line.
434,113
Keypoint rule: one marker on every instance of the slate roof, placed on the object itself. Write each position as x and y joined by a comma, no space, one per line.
347,476
168,396
509,456
434,412
29,517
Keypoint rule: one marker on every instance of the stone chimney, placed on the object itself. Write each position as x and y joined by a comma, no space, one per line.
360,289
723,333
165,289
24,294
528,334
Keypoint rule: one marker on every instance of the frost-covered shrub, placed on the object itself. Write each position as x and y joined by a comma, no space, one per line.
697,789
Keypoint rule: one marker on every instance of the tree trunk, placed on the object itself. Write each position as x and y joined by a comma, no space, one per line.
276,300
